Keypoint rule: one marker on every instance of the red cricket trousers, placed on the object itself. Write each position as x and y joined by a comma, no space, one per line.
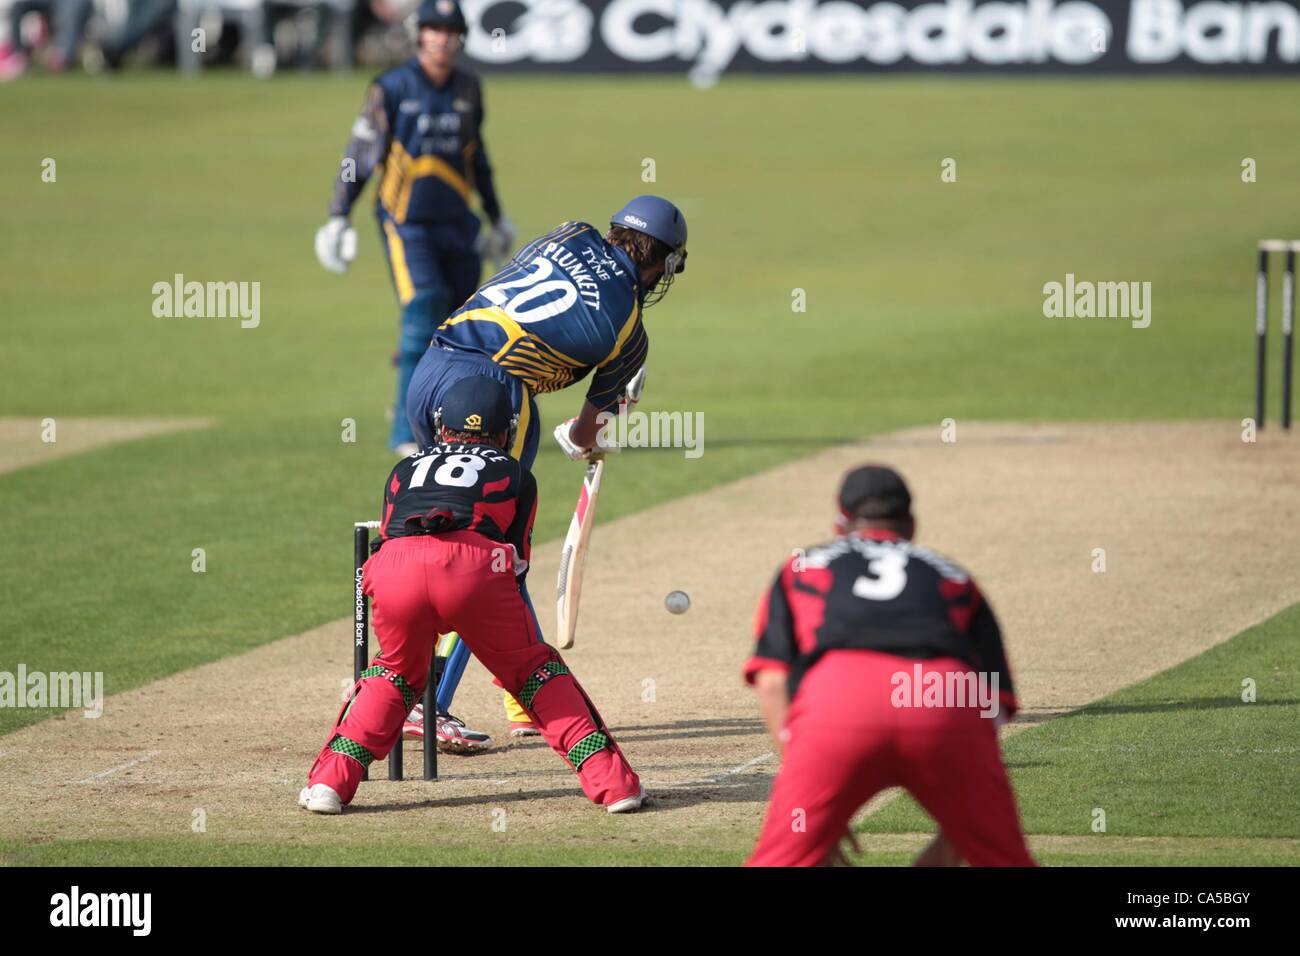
461,581
847,742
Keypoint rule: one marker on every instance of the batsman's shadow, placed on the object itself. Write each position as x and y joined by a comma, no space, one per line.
750,788
686,729
436,801
677,730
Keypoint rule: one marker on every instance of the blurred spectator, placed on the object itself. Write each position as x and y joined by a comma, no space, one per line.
143,18
264,33
69,19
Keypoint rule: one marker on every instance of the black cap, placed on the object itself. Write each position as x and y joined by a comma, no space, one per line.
479,405
875,491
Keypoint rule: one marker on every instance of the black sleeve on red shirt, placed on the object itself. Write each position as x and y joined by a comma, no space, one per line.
775,647
391,484
986,636
520,532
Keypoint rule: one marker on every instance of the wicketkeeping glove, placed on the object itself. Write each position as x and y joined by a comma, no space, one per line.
336,244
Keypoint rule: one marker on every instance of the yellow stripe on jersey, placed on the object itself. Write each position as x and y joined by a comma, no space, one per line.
400,173
390,183
575,228
545,369
397,256
623,333
525,419
497,316
526,357
468,152
561,233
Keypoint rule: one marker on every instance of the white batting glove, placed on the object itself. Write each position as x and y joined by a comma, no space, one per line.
575,452
336,244
635,385
562,435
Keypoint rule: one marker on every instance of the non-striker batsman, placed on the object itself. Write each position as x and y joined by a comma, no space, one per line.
421,128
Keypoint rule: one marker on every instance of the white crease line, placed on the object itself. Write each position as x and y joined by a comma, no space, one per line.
130,763
761,758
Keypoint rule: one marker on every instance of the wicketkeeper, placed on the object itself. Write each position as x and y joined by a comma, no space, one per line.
453,550
422,127
853,640
568,305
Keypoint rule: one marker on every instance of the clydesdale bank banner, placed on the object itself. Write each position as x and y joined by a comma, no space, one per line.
711,37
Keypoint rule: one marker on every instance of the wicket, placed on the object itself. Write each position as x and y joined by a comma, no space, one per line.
361,660
1267,246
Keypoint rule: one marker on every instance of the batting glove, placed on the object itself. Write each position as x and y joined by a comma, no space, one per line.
575,452
336,244
497,242
632,392
562,435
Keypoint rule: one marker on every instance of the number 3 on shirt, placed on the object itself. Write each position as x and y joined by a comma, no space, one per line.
890,570
458,471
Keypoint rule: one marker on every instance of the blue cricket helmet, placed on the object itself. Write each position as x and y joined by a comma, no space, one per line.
441,13
659,219
656,217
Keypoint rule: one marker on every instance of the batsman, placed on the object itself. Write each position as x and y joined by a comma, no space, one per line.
421,132
568,305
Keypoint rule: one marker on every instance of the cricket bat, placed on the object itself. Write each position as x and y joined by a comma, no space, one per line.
568,586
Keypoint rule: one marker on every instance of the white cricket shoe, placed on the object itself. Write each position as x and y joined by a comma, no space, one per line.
628,804
320,798
453,736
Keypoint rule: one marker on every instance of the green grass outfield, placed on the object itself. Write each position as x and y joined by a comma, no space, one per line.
923,302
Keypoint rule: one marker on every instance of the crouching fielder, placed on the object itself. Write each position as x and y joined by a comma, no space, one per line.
454,547
879,664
